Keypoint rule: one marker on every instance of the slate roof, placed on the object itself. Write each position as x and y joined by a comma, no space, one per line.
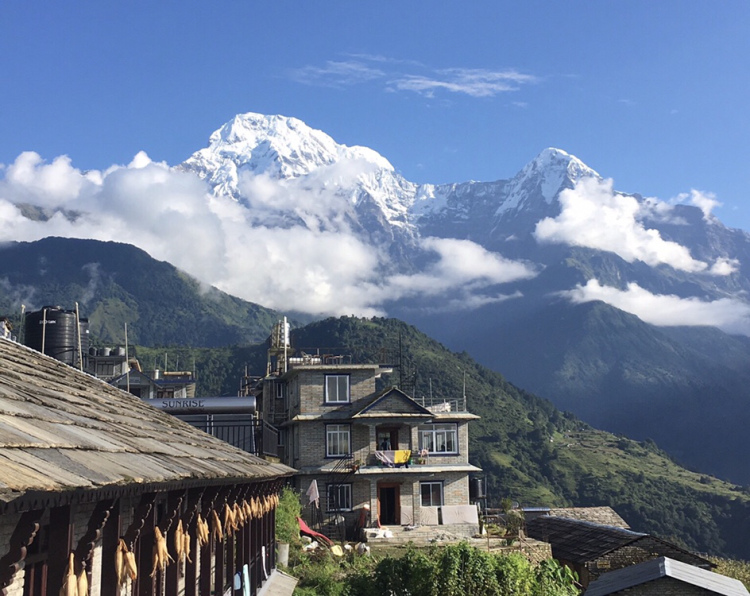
599,515
655,569
392,402
581,541
62,430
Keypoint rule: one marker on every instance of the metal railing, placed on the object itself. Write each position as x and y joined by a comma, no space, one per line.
441,404
252,435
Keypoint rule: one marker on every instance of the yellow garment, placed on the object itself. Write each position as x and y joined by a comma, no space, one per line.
337,550
401,456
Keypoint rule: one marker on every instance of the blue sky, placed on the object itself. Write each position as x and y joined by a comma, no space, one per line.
655,95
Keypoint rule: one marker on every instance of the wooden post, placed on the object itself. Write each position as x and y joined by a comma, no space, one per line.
22,537
60,543
188,523
87,543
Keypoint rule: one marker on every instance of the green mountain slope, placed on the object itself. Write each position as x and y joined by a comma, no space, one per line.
530,451
686,388
116,284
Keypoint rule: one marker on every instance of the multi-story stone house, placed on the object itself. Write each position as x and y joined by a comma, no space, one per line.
374,455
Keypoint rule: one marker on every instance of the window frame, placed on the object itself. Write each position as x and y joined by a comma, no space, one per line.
432,483
434,433
327,397
338,430
346,487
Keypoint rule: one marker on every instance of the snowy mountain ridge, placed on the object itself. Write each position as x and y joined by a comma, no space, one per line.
289,151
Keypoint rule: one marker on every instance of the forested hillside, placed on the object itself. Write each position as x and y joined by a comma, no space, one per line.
530,451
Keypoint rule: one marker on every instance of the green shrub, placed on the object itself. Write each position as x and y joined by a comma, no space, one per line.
287,512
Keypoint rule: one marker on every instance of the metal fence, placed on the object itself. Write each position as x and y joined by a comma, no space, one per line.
244,432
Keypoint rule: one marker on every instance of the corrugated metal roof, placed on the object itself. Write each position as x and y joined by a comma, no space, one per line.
61,429
635,575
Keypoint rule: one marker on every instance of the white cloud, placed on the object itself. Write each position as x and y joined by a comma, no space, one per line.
593,215
308,260
730,314
472,82
336,73
705,201
402,75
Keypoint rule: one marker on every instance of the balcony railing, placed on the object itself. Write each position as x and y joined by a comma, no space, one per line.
251,435
441,404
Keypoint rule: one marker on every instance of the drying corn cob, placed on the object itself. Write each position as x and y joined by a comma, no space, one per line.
228,520
201,528
83,583
70,584
186,546
216,531
120,561
239,517
161,554
179,541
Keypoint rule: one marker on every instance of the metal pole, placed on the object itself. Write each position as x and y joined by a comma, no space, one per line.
44,328
127,361
78,333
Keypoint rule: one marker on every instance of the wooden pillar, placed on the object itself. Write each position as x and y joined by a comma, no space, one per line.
168,525
60,545
209,501
188,523
110,542
22,537
87,543
145,584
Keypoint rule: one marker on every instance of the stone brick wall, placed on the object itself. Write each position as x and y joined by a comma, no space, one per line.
455,488
8,524
643,550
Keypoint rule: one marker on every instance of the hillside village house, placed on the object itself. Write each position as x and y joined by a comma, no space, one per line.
375,457
83,465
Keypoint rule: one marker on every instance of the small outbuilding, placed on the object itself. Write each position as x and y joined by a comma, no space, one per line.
592,549
662,577
94,484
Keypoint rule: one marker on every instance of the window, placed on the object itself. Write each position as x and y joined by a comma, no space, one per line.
438,438
339,497
432,494
337,440
337,389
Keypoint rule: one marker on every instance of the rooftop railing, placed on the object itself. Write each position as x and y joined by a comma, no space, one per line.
441,404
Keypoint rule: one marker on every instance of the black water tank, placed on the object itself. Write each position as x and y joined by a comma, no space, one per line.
476,489
57,328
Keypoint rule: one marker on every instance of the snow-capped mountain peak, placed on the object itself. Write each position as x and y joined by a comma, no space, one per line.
278,146
549,172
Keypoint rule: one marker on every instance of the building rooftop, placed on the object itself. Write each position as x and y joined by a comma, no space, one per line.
579,541
63,431
629,577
